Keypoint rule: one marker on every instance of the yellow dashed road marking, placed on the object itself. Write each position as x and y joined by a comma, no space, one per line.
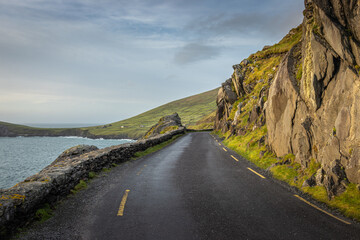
314,206
256,173
234,158
225,149
141,170
122,204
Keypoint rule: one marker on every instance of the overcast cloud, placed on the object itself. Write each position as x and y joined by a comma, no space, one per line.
89,61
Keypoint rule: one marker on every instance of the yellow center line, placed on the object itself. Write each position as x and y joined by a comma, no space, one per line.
219,144
256,173
141,170
225,149
314,206
122,204
234,158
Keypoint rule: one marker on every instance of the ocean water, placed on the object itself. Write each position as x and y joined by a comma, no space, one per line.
21,157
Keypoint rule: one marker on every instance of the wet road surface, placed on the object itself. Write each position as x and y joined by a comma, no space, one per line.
194,188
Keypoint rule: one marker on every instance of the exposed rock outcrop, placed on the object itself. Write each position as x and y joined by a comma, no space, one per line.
319,121
311,103
165,124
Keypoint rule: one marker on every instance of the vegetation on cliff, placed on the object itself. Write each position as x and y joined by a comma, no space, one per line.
165,124
284,108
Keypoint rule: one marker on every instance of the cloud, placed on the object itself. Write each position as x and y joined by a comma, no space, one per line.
125,51
193,52
249,24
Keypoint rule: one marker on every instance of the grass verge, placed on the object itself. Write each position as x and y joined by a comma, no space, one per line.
289,171
80,186
44,213
155,148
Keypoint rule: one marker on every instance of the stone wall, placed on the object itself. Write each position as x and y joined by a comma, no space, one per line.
19,203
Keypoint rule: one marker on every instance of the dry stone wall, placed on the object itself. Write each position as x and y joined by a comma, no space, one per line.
55,181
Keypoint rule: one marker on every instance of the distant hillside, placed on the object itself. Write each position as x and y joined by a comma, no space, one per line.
190,109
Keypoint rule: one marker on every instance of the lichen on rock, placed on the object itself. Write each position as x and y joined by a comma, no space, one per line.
165,124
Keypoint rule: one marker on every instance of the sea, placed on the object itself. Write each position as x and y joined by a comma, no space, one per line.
21,157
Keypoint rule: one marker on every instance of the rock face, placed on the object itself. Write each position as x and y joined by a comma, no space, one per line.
311,104
165,124
230,91
318,118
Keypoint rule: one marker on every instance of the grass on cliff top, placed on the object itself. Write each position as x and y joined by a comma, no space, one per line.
292,38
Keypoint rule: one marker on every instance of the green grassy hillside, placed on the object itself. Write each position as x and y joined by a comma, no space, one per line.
13,130
190,110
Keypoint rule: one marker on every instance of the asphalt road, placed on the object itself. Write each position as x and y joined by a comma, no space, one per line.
191,189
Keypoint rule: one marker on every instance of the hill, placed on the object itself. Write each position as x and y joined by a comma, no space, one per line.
190,109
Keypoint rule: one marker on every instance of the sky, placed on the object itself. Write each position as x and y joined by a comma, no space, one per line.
101,61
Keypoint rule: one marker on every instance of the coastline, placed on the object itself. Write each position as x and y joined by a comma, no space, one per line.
19,203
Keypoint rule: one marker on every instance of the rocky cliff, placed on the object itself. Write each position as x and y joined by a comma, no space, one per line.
303,93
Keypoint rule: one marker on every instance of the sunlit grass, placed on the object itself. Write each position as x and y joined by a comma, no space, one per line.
292,173
44,213
80,186
155,148
262,67
190,110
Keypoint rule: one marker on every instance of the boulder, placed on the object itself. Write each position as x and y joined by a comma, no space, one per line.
165,124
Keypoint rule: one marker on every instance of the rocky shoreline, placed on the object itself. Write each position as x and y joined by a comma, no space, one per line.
19,203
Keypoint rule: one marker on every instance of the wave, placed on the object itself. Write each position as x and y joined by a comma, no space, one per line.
97,139
70,137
